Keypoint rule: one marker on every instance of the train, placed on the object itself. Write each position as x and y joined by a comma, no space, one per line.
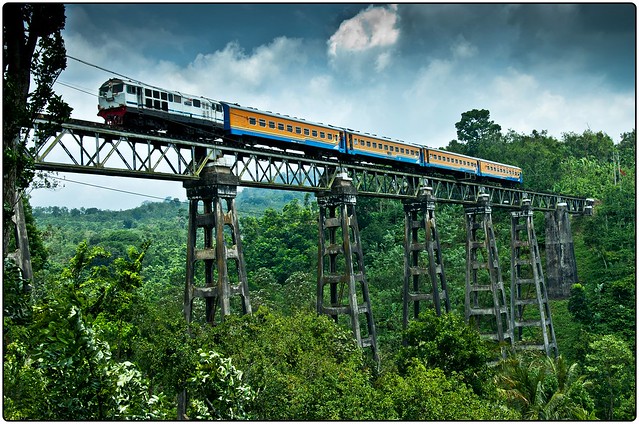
136,106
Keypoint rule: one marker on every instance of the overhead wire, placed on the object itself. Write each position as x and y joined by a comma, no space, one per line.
106,188
81,89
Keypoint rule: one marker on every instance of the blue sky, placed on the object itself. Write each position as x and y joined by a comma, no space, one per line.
405,71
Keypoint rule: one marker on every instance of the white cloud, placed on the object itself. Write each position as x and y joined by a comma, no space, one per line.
234,66
368,37
373,27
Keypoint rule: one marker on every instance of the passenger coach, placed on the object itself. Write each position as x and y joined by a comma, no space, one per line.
251,122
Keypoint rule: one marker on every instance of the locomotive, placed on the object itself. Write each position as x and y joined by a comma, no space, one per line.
136,106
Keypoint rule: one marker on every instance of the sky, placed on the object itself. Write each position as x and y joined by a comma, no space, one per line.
405,71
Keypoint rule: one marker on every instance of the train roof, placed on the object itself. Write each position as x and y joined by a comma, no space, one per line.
475,158
453,153
498,163
382,138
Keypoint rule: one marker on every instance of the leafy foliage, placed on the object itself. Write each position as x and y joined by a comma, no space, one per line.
303,367
216,389
426,393
543,388
611,366
72,370
448,343
33,48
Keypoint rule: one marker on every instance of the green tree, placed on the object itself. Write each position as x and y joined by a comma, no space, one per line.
303,367
284,242
543,388
627,149
217,391
475,128
426,393
448,343
610,365
589,145
33,48
70,370
537,154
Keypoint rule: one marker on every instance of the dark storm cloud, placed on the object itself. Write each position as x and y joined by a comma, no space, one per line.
182,31
595,38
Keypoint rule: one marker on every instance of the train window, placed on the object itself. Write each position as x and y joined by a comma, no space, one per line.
218,107
188,102
385,146
252,121
330,136
314,132
147,92
165,106
262,122
130,89
156,104
271,124
289,128
401,149
298,130
280,127
368,144
306,131
177,99
117,88
170,97
156,94
163,96
196,103
322,134
149,103
374,145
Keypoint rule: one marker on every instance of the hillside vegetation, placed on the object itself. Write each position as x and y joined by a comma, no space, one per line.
102,336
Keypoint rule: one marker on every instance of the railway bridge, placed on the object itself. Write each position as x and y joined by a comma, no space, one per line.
212,170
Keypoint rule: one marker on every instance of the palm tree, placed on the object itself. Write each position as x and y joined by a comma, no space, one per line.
543,388
570,400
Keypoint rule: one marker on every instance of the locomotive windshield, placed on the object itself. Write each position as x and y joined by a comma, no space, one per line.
115,88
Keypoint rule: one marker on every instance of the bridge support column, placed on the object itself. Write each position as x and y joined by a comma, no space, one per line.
207,248
420,225
561,265
340,264
527,286
485,297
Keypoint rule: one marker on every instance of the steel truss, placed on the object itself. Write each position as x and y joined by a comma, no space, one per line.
91,148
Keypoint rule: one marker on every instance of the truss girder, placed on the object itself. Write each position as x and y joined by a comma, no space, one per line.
88,147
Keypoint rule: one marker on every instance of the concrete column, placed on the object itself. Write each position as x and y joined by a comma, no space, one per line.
561,265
